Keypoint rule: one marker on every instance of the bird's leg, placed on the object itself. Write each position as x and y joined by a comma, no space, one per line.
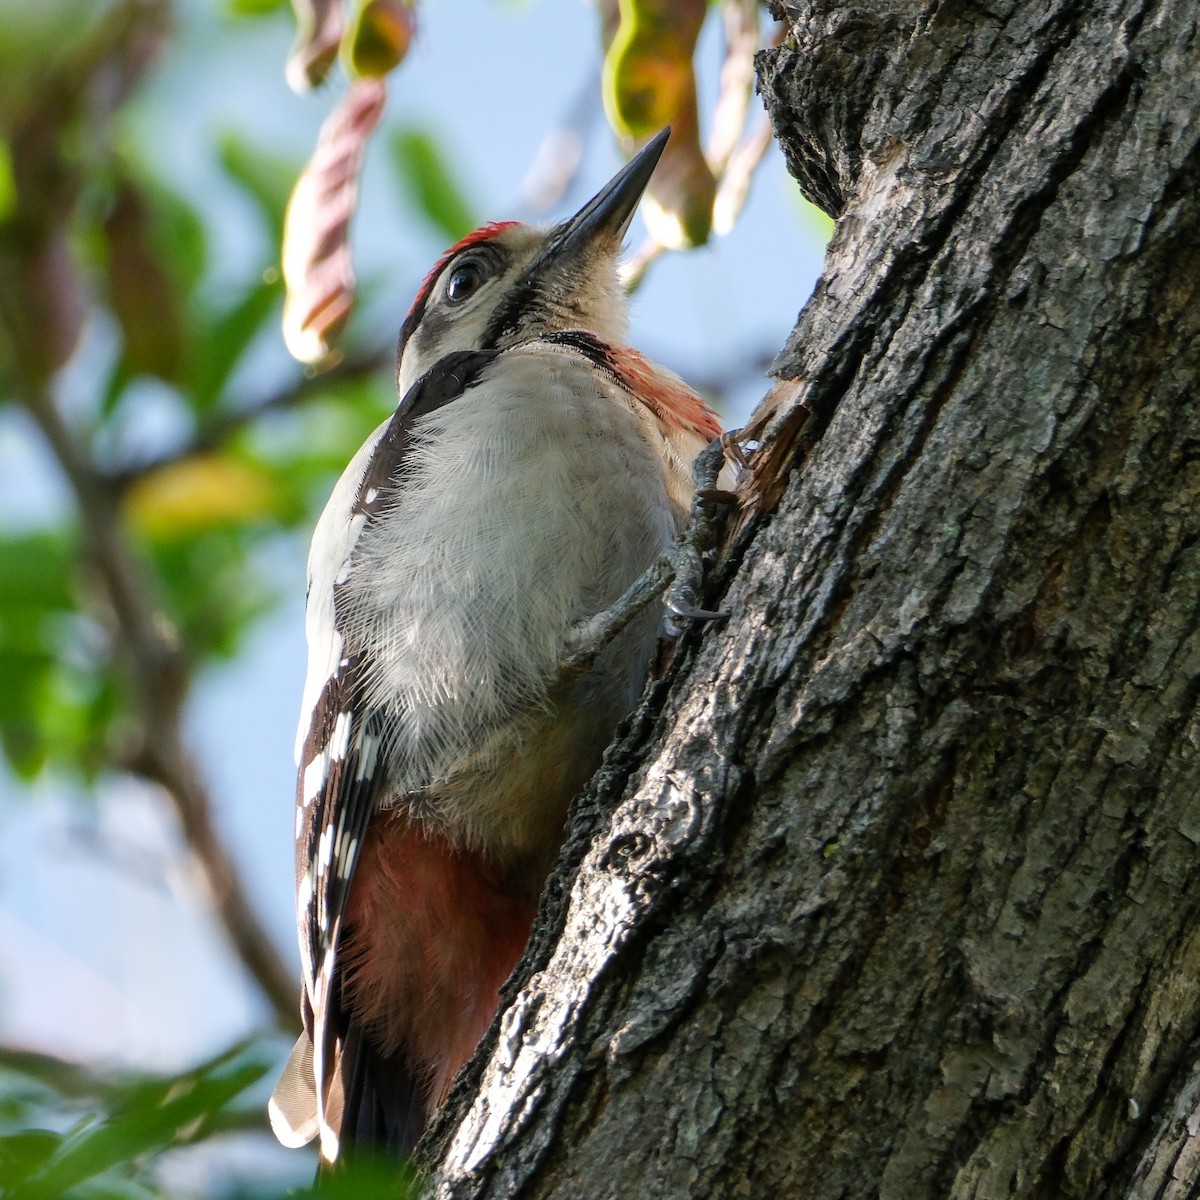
679,572
686,555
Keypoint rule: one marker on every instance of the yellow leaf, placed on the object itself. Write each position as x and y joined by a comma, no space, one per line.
199,493
648,72
649,81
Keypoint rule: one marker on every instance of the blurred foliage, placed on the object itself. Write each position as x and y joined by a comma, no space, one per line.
93,236
57,698
71,1134
427,179
139,260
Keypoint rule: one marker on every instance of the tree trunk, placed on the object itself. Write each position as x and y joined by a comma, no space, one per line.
893,886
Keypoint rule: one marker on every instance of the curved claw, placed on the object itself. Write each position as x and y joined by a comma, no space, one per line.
680,608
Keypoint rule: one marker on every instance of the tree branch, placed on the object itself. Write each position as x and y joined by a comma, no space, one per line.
159,675
217,431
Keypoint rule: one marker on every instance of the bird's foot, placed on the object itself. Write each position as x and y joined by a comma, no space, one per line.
589,638
710,504
679,572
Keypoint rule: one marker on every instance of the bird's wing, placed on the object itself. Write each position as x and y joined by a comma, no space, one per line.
340,755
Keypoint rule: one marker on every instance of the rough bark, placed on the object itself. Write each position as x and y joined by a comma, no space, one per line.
893,886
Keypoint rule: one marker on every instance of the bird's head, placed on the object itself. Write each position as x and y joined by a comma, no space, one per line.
508,282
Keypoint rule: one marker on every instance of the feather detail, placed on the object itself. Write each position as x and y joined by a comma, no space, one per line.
660,390
293,1104
440,750
342,734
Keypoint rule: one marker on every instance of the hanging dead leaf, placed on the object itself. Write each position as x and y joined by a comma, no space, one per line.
320,24
143,297
42,303
317,268
378,38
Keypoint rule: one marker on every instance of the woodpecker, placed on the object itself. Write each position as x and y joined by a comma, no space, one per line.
535,467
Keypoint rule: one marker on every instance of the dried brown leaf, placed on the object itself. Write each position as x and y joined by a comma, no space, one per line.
317,268
320,27
141,292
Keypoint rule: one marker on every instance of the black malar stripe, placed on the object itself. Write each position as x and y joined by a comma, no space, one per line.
443,383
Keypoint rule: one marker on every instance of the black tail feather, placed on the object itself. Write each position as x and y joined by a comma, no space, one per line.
384,1107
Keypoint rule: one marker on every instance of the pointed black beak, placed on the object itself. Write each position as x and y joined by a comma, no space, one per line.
609,212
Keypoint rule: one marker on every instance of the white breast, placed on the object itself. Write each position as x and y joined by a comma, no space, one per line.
528,504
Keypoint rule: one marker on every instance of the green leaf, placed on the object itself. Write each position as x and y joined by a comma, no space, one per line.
178,232
35,600
212,589
819,224
8,184
427,180
99,1157
119,378
366,1179
34,570
21,1154
254,8
307,449
227,336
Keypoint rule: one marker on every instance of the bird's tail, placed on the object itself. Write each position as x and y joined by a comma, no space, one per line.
383,1102
374,1105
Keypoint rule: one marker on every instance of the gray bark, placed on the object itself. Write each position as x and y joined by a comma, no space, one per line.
892,888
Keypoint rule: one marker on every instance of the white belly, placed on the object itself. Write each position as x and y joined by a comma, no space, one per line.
524,509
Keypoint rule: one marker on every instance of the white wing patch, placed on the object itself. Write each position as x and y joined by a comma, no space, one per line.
314,778
339,741
333,542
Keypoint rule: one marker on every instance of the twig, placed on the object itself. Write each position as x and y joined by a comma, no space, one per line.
159,674
740,18
734,187
216,432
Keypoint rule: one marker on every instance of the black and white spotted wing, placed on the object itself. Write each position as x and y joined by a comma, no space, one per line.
339,785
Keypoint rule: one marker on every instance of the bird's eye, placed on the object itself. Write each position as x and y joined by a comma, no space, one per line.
465,280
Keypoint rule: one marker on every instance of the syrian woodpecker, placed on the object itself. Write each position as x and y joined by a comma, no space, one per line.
535,467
